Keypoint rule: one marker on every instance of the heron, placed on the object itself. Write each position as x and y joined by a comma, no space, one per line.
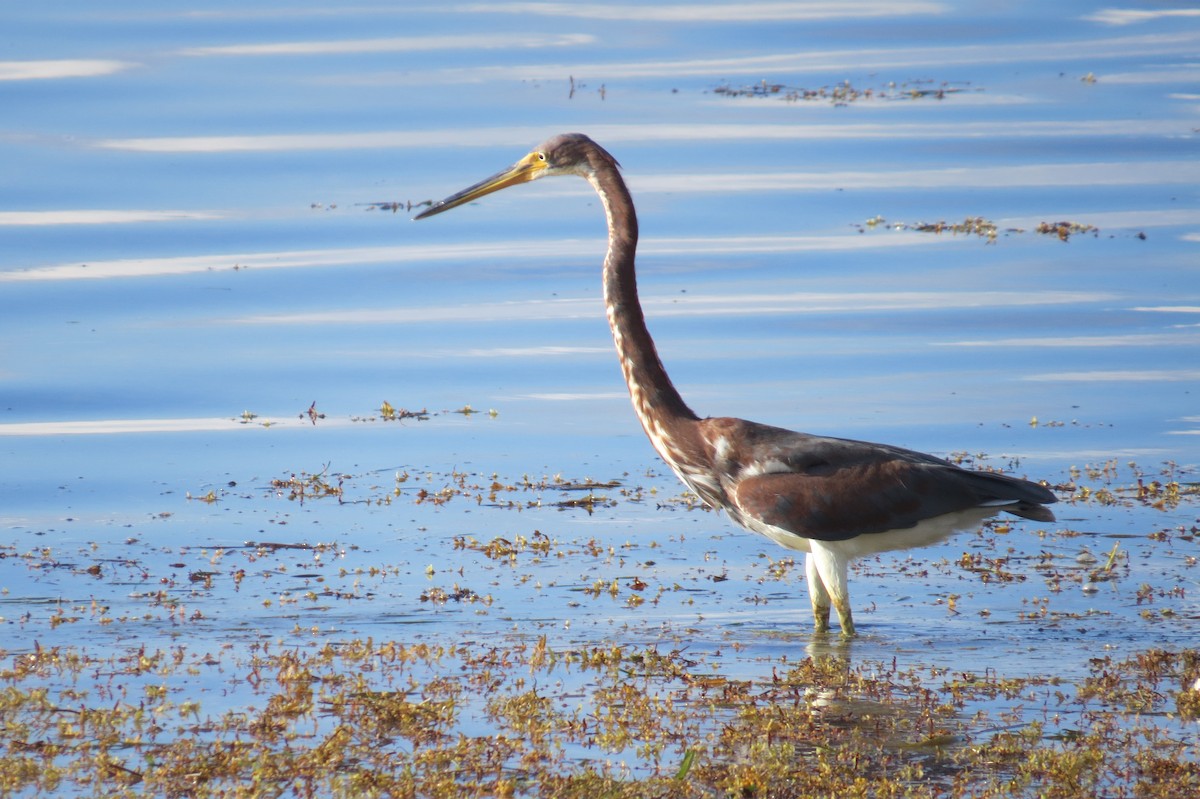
835,499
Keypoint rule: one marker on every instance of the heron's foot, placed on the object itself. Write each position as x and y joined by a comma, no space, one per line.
821,618
846,619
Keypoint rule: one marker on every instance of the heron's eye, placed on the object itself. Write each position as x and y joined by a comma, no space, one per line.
541,156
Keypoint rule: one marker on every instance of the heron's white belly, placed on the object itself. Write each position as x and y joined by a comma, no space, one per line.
925,533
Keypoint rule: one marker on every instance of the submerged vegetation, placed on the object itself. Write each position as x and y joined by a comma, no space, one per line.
584,665
844,92
984,228
519,717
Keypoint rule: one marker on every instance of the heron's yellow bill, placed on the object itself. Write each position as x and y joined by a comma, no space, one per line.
529,168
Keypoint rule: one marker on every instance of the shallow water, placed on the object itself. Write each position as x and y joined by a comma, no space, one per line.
195,255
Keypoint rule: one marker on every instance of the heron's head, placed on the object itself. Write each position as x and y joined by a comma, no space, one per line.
565,154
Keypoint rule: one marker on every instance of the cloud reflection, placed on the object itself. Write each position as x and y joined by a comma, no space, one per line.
1118,376
97,217
1087,174
417,254
524,137
521,352
810,62
1169,308
574,397
692,305
698,13
120,426
1056,342
288,259
403,44
61,68
1164,76
284,142
1129,16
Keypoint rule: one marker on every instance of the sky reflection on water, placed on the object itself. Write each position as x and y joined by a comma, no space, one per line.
197,245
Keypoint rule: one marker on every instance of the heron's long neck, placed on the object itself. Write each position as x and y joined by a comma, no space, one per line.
655,399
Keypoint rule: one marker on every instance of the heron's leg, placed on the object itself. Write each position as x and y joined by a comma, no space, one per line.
817,595
831,569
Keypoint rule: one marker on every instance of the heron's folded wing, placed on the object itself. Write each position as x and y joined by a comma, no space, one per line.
832,502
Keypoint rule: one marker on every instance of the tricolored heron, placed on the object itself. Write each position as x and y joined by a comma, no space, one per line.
834,498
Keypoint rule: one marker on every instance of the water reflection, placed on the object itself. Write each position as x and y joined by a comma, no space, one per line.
1130,173
1182,43
1124,340
401,44
62,68
99,217
699,13
117,426
125,363
492,251
518,137
1131,16
1119,376
697,305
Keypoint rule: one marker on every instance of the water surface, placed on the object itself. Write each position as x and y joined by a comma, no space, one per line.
197,252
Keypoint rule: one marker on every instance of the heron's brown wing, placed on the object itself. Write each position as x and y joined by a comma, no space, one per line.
837,499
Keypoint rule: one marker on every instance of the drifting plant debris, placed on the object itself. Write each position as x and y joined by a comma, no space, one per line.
1064,230
574,87
394,206
309,486
157,690
525,717
1164,492
588,502
391,414
971,225
975,226
984,228
249,417
845,92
